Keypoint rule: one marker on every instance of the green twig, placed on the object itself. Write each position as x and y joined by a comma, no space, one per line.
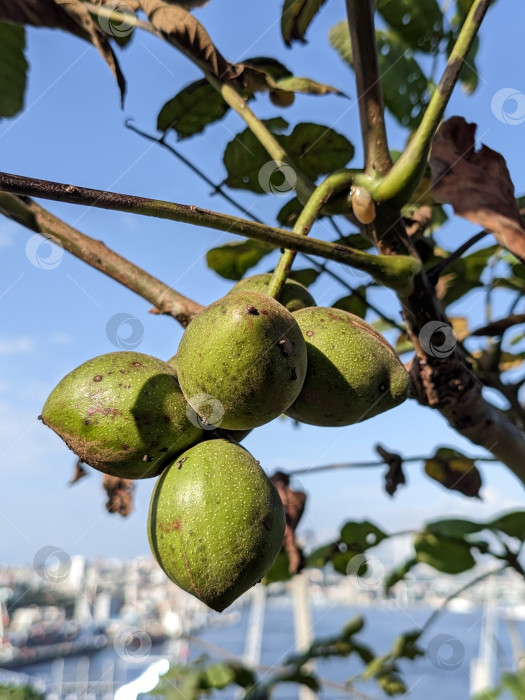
406,172
302,226
396,272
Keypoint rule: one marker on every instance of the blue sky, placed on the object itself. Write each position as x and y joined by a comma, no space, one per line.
55,319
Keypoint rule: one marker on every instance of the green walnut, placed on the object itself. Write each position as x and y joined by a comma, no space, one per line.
353,372
294,295
216,522
242,361
122,413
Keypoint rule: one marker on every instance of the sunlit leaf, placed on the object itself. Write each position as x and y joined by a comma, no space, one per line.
296,18
454,471
448,556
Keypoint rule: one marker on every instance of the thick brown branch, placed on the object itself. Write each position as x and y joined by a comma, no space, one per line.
98,255
370,96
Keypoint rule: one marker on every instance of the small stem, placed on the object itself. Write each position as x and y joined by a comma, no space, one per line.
459,591
368,82
406,172
434,273
304,185
302,227
380,463
393,271
99,256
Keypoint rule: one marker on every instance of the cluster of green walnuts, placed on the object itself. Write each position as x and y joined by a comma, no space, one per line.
216,522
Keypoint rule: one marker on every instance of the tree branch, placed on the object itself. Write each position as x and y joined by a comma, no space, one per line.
406,172
368,82
98,255
396,272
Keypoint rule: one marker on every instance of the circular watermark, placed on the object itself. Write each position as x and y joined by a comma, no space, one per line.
124,331
132,644
52,564
205,404
438,339
44,252
277,178
445,652
116,26
369,571
508,106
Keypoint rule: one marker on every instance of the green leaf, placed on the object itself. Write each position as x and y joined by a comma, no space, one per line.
419,24
316,149
244,677
279,570
454,471
288,215
515,682
454,527
14,69
465,274
192,109
321,556
273,68
447,556
306,277
354,240
468,75
512,524
361,535
302,677
405,86
306,86
217,676
398,574
232,260
353,304
403,344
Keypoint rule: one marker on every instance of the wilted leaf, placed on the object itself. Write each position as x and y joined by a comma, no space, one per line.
447,556
232,260
80,472
395,475
454,471
192,109
70,15
512,524
499,327
476,183
460,326
315,148
294,503
353,303
187,34
296,17
14,69
420,24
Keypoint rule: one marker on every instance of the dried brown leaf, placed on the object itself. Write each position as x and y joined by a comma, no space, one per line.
70,15
395,475
293,502
120,494
476,183
186,33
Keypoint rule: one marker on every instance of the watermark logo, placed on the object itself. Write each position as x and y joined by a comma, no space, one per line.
208,405
438,339
508,106
124,331
52,564
445,652
277,178
44,252
132,644
116,25
368,570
